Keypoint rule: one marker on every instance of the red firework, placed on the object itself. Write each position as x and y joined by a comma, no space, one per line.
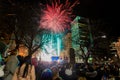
57,16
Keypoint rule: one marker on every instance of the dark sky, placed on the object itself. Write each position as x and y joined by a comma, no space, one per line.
106,10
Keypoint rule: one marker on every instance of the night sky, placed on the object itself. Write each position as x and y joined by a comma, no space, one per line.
106,10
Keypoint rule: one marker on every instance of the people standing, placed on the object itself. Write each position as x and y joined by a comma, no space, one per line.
55,71
26,71
11,65
46,74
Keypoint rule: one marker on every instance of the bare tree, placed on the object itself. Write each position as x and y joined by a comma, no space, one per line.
23,21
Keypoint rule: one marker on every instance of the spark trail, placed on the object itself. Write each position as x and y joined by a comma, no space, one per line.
57,16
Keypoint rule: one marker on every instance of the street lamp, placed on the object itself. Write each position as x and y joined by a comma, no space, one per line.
103,36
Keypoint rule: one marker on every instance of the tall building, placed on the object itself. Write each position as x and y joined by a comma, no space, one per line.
81,36
80,31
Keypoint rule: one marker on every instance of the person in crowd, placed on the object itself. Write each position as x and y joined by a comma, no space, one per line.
46,74
105,72
91,73
20,58
11,65
81,74
82,78
2,65
39,70
26,71
70,73
62,71
34,62
55,72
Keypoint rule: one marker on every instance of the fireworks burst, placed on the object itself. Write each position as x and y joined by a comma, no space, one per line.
57,16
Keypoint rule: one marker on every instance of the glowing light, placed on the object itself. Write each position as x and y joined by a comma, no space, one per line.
57,16
23,51
46,57
58,46
55,58
52,47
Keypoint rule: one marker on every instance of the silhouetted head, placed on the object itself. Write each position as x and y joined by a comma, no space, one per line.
13,52
46,75
55,70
